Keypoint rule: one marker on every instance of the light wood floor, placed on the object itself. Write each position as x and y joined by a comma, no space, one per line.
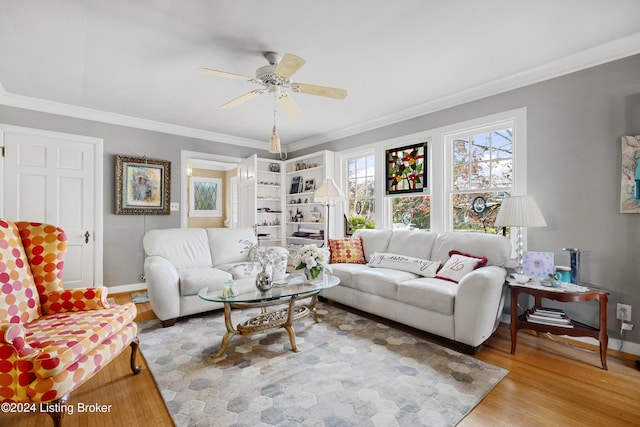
550,382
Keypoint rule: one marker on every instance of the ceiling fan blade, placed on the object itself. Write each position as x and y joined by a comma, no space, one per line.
288,65
289,105
329,92
225,74
242,98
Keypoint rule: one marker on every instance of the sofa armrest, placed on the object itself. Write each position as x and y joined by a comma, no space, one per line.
478,302
77,299
163,286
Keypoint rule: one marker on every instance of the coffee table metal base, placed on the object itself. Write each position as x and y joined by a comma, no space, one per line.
267,320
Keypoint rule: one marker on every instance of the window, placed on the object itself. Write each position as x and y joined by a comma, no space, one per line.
360,206
411,212
481,165
206,197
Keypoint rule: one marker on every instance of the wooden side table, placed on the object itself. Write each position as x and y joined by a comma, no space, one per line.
578,330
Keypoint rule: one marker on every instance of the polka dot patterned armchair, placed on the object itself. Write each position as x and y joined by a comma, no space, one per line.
52,339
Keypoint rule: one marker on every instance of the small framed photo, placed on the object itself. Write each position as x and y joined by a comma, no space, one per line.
142,186
314,216
310,185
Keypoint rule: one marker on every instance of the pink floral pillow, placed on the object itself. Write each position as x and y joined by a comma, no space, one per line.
458,265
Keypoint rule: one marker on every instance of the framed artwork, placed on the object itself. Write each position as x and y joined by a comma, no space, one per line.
310,185
538,264
406,169
296,184
630,175
142,186
205,197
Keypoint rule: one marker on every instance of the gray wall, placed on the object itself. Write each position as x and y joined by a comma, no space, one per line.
574,127
123,253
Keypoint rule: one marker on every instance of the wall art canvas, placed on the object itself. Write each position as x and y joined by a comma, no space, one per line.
630,175
406,169
142,186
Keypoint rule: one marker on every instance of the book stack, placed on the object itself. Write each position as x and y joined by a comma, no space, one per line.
549,316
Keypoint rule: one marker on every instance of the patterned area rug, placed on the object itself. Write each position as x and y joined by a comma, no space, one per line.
350,371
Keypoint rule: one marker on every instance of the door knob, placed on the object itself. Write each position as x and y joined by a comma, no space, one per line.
86,236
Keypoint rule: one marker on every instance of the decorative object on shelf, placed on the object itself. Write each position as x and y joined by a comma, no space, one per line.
537,264
630,175
520,211
142,186
328,194
296,184
405,169
310,185
313,260
274,167
552,279
575,264
564,272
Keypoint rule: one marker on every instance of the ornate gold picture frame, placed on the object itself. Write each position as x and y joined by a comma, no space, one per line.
143,186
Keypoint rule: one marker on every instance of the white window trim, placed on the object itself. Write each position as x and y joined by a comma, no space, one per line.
439,175
201,213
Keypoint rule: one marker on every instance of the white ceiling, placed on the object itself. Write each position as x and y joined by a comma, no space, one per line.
134,62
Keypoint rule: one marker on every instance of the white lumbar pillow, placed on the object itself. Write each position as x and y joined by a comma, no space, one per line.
423,267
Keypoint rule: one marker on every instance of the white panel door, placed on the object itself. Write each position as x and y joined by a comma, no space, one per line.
247,192
49,178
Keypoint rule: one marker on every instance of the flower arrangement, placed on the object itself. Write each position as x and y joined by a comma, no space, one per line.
313,259
265,258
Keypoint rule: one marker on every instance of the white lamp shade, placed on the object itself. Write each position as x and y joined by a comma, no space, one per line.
520,211
328,192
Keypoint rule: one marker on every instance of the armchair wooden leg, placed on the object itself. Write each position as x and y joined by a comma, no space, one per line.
169,322
56,416
134,352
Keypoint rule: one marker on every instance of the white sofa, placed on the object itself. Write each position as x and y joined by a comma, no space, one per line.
467,312
181,261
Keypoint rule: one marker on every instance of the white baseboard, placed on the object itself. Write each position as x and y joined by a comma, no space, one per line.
614,343
127,288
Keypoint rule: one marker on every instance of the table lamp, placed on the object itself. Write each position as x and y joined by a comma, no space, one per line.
328,194
519,211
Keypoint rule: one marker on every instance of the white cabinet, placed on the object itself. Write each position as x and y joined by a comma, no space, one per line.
269,218
304,217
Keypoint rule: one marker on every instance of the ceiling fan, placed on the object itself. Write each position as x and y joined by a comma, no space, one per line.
274,78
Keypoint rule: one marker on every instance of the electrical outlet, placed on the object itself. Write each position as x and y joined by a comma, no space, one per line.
623,312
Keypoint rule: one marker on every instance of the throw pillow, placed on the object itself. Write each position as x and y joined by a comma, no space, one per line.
458,265
423,267
346,251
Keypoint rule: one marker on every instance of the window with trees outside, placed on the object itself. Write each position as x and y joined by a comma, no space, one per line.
481,165
360,206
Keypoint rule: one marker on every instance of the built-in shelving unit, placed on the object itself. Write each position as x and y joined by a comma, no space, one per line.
269,202
304,217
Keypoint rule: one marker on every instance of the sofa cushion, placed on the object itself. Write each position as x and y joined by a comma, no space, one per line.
240,270
183,247
225,244
496,248
431,294
373,241
192,280
346,251
460,265
65,337
411,243
19,299
422,267
345,272
380,281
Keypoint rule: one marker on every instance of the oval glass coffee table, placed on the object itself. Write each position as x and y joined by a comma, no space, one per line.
248,296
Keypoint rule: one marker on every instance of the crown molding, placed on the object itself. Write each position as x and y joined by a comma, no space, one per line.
45,106
601,54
